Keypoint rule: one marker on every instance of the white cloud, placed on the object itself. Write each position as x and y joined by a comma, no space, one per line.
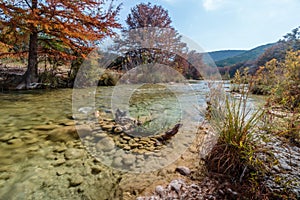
210,5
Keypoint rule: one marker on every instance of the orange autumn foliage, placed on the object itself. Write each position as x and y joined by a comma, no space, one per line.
67,28
77,24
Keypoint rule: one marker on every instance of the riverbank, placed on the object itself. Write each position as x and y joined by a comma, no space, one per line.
11,74
276,177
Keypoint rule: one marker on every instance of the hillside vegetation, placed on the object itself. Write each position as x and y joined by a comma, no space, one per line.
246,56
224,54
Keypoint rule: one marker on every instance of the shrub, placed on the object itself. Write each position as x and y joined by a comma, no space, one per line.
234,153
108,79
281,80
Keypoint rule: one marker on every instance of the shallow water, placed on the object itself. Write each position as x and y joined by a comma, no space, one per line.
36,167
41,159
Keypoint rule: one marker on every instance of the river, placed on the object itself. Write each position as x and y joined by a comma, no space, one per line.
42,157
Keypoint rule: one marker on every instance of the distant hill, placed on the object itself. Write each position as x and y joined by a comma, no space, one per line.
250,55
224,54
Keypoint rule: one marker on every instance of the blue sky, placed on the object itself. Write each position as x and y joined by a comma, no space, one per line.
228,24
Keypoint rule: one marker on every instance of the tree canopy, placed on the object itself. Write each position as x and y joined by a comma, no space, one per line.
146,15
149,37
53,27
290,42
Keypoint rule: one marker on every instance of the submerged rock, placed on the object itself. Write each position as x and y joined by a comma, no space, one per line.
59,162
45,127
17,142
63,134
105,144
84,130
75,180
128,159
74,153
117,162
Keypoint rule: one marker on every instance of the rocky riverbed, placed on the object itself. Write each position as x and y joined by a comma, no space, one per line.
283,178
54,164
285,172
45,156
51,163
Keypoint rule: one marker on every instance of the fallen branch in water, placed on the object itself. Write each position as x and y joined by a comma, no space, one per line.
169,134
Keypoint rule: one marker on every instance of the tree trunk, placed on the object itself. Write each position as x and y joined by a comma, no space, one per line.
31,74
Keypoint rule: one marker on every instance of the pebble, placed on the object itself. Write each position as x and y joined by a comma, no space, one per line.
60,172
160,190
105,144
176,185
15,142
232,192
60,149
84,130
126,137
128,159
6,137
146,140
127,147
150,148
131,142
117,162
75,180
108,127
135,145
185,171
118,129
69,123
73,153
5,176
25,128
32,141
100,135
96,169
285,166
59,162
